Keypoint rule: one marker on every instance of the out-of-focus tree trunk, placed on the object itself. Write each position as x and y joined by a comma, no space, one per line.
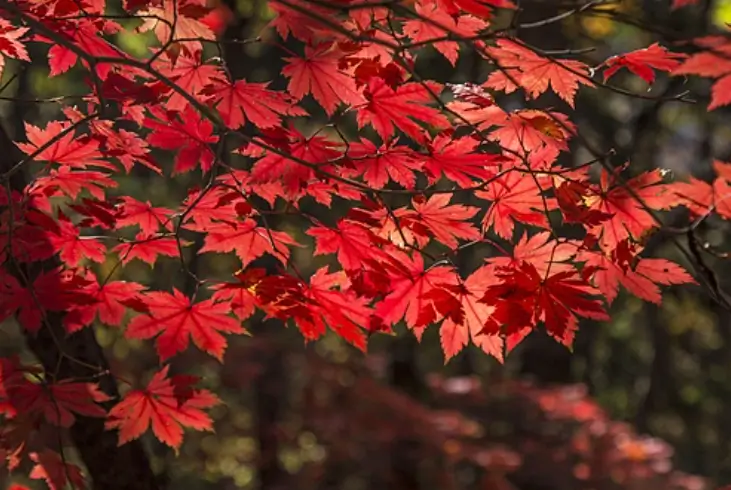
405,377
661,375
270,387
542,358
270,391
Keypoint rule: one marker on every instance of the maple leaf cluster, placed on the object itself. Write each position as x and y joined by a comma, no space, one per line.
421,148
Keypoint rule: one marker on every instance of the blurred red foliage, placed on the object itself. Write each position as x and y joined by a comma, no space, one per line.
501,435
564,438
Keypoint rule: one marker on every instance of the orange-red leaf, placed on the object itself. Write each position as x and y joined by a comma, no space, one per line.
167,405
534,73
177,320
55,471
56,403
318,74
434,23
406,298
446,223
629,204
643,62
713,62
455,335
387,109
247,240
242,101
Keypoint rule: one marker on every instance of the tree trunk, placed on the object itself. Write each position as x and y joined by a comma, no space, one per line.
405,378
270,388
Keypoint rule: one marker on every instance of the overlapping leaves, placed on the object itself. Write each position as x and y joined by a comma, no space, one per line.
433,170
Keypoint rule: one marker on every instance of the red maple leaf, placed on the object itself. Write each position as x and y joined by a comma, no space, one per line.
110,301
443,303
454,335
242,101
119,88
353,242
84,37
663,272
627,204
318,73
534,73
378,166
73,248
204,208
177,320
147,248
341,310
388,108
701,198
60,145
188,133
170,25
434,23
643,62
573,197
712,62
523,298
458,160
53,290
241,294
542,252
127,147
295,164
297,22
42,236
516,197
641,280
55,471
73,182
9,44
167,405
192,74
56,403
247,240
526,131
445,222
406,298
150,219
63,8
